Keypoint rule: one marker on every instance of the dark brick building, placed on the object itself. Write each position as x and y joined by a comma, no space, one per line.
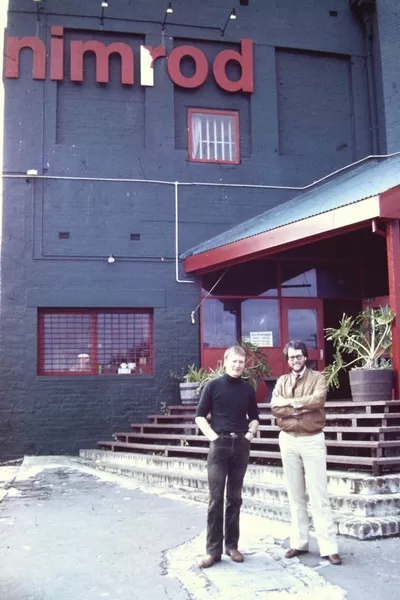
119,160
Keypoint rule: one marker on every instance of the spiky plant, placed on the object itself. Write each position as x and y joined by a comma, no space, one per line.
361,342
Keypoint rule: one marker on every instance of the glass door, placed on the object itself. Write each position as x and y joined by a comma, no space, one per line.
302,319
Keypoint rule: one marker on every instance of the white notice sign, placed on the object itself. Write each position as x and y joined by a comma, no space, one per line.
262,338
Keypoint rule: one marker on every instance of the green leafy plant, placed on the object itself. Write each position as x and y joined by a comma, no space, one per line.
164,410
257,365
192,374
212,374
361,342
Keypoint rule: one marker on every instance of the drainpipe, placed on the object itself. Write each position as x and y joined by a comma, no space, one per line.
364,11
176,184
373,109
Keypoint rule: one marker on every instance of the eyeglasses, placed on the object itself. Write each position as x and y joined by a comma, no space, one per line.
296,357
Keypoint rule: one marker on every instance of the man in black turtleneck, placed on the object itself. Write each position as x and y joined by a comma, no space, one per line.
231,401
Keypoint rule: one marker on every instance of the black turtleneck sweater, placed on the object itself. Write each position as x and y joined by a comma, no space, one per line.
231,402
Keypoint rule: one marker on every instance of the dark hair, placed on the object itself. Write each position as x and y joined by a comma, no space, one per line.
295,345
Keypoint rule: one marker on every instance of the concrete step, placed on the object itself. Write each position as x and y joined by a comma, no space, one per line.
358,515
348,505
340,483
267,493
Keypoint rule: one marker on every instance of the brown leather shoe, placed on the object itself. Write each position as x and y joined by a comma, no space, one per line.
334,559
294,552
235,555
209,561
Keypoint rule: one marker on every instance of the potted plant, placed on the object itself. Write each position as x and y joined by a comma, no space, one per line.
363,346
195,378
189,383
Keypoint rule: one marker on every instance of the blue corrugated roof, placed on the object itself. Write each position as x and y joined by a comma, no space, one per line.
353,185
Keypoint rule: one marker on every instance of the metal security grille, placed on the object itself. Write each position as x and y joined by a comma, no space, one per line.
213,136
95,342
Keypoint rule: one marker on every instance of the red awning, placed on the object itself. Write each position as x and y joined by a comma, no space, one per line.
308,218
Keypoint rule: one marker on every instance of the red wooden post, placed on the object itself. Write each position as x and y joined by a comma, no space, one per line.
393,259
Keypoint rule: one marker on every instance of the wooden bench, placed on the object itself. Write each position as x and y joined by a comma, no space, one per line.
373,455
375,464
172,418
165,449
359,435
165,426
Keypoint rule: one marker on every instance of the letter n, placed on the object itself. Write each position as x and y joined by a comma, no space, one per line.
14,47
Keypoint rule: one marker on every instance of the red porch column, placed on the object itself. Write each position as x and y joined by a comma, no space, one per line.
393,259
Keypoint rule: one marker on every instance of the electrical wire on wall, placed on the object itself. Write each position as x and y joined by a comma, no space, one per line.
193,313
30,174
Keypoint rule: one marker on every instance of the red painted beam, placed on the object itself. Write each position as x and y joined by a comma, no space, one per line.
393,259
296,234
389,202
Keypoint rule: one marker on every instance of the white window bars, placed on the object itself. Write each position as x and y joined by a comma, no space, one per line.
214,136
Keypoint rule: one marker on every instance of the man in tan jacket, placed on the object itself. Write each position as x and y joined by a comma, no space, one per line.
298,404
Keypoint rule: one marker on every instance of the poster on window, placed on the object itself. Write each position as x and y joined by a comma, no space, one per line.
262,338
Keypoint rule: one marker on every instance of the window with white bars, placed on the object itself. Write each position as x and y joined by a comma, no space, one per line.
213,136
95,342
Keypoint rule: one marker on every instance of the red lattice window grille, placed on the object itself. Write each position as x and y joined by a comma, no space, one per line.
213,136
95,342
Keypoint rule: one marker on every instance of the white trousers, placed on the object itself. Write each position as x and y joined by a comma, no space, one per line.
304,465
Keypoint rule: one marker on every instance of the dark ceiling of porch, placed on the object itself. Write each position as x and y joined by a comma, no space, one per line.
360,253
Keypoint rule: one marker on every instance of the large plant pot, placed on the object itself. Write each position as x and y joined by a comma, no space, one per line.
371,384
189,392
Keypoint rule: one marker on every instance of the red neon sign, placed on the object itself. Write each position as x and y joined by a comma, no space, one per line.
148,56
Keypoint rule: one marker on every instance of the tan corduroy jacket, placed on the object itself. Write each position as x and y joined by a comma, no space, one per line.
308,394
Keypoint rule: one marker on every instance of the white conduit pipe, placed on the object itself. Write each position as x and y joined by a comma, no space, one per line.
176,184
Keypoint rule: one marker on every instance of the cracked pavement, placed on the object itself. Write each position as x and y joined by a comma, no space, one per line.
69,532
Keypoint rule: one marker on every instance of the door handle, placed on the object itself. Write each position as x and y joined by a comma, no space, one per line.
321,354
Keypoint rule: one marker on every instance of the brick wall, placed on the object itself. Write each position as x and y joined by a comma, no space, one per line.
388,14
303,121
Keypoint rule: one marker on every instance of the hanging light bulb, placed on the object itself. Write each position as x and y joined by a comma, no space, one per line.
168,11
232,16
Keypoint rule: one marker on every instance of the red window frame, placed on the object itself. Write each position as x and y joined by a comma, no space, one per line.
231,113
80,342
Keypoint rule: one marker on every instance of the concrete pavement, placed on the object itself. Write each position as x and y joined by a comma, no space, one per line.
69,532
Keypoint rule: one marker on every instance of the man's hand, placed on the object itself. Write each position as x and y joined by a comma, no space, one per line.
253,428
206,429
279,401
296,403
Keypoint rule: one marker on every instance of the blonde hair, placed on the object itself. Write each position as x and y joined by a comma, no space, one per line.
234,350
